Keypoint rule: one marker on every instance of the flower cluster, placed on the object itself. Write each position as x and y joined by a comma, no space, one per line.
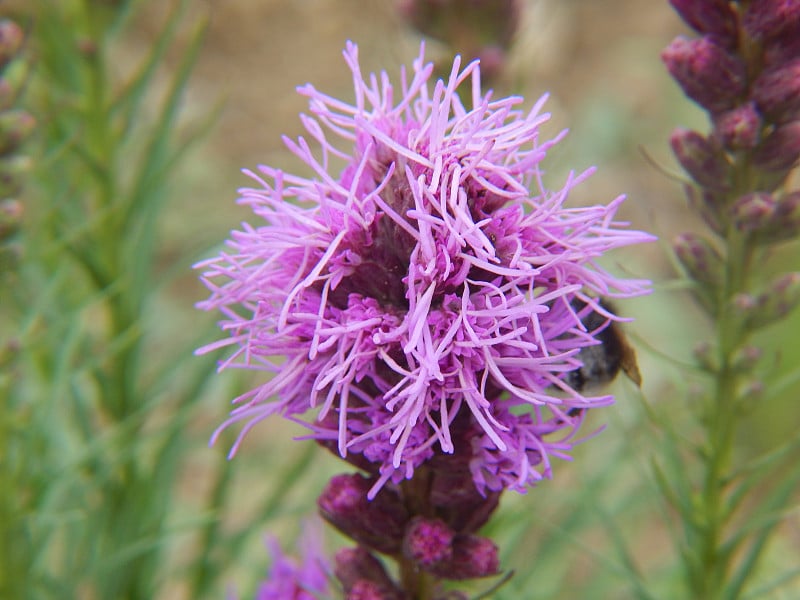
745,71
428,299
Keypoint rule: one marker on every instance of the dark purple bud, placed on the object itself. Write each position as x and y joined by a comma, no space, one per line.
369,590
707,73
702,262
739,128
454,495
702,160
11,37
780,150
378,524
782,49
766,19
777,93
715,17
428,542
357,567
473,557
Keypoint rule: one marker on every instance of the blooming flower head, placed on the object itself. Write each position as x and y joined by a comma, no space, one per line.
428,289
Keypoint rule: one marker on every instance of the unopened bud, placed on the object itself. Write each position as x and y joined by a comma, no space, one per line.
707,73
473,557
739,128
782,49
710,205
780,298
15,127
754,212
714,17
704,162
752,390
356,567
746,358
775,303
777,93
766,219
766,19
428,542
378,524
780,150
11,37
703,263
369,590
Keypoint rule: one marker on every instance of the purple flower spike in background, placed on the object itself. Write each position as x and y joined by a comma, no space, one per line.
415,298
289,579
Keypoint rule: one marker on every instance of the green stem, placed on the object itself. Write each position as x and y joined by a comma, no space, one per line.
721,422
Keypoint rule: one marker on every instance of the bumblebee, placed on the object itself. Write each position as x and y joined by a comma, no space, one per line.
603,362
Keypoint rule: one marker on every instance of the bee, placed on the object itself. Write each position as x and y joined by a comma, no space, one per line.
603,362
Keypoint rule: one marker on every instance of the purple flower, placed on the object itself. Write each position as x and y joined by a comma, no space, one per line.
289,579
428,284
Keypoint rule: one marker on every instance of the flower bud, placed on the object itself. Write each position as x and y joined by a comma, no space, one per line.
780,150
775,303
362,575
766,19
739,128
710,205
473,557
708,74
378,524
767,219
455,497
753,212
746,358
15,127
714,17
704,162
11,37
428,542
782,49
369,590
780,298
703,263
777,93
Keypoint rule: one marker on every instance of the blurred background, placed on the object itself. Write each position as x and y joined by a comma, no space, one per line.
599,61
